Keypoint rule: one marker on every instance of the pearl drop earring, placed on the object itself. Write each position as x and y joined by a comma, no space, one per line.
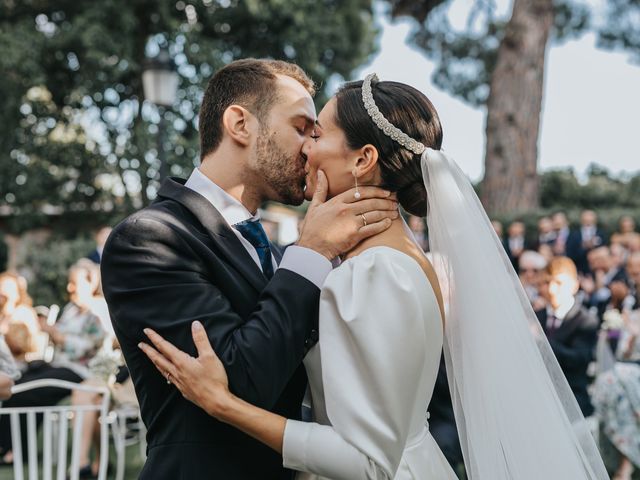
356,195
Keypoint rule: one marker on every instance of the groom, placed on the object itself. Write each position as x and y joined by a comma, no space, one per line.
199,253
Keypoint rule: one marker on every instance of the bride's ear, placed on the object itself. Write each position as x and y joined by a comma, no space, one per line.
366,161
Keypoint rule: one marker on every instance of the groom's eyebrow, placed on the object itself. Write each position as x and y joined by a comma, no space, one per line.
308,120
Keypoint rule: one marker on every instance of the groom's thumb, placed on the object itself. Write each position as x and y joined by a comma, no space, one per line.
320,195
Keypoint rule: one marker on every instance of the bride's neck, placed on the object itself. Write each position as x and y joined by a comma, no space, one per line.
395,237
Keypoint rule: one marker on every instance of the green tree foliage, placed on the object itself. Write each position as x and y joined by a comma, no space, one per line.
465,56
77,136
621,29
561,189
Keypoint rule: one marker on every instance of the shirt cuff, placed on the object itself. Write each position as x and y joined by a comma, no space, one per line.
294,445
307,263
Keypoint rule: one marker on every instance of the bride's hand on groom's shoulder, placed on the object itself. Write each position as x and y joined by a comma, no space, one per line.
333,227
202,380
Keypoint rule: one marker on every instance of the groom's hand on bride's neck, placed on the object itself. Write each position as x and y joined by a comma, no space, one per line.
333,227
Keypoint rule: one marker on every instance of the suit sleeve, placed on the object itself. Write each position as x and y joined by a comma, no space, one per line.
153,277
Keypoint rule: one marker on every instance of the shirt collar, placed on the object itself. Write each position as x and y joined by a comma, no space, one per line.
563,310
231,209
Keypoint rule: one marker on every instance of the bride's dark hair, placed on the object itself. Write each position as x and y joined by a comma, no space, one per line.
410,111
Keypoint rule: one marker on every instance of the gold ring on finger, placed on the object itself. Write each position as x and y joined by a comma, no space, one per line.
364,219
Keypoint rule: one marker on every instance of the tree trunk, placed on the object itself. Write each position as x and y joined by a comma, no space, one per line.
513,110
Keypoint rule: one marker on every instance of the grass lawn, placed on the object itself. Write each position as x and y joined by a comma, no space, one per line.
132,466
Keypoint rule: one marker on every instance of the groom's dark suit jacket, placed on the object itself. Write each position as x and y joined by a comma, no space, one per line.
177,261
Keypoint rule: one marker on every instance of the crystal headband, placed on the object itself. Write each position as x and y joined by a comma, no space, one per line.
382,123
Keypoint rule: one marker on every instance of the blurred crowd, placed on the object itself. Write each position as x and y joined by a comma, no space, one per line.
584,287
74,343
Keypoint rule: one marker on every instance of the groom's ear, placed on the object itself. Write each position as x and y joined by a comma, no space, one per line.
237,123
366,160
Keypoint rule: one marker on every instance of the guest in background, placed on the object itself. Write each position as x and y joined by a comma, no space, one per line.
616,395
561,229
531,265
596,285
632,302
546,234
497,227
514,244
18,321
76,336
442,422
626,234
419,230
570,328
101,238
581,241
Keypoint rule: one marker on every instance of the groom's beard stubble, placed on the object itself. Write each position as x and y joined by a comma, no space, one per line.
284,173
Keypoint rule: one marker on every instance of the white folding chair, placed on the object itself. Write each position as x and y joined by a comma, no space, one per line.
118,420
56,423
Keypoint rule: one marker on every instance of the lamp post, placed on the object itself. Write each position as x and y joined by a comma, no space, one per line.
160,84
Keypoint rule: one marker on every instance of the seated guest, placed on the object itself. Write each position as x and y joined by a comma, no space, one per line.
581,241
442,422
16,304
561,229
530,266
514,244
76,336
632,302
497,227
8,370
419,230
570,328
604,271
616,395
626,234
101,238
546,234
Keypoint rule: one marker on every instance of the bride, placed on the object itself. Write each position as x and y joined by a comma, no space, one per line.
383,326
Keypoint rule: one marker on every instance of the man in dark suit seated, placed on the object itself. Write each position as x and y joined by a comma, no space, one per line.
199,252
570,328
596,285
584,239
515,244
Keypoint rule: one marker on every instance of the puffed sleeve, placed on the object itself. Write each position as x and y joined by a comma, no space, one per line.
372,343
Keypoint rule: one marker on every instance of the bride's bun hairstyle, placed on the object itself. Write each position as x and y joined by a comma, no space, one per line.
410,111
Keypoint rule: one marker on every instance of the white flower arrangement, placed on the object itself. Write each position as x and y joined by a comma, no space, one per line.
612,320
105,365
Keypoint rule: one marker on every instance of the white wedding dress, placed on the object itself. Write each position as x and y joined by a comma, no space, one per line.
371,376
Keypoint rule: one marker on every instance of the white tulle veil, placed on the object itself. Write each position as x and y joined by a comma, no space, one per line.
516,415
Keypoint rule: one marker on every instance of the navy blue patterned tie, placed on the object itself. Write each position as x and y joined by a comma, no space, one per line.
256,236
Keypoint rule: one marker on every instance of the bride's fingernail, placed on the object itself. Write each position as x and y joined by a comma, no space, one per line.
147,331
197,326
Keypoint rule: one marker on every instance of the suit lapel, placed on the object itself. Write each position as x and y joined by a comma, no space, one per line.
570,322
219,230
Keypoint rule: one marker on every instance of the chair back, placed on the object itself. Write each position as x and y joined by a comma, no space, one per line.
55,433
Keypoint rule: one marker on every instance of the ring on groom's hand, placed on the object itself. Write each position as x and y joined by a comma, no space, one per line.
364,219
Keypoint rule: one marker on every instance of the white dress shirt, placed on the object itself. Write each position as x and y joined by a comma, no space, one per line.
305,262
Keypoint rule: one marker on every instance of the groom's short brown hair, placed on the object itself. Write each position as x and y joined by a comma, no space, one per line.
250,83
